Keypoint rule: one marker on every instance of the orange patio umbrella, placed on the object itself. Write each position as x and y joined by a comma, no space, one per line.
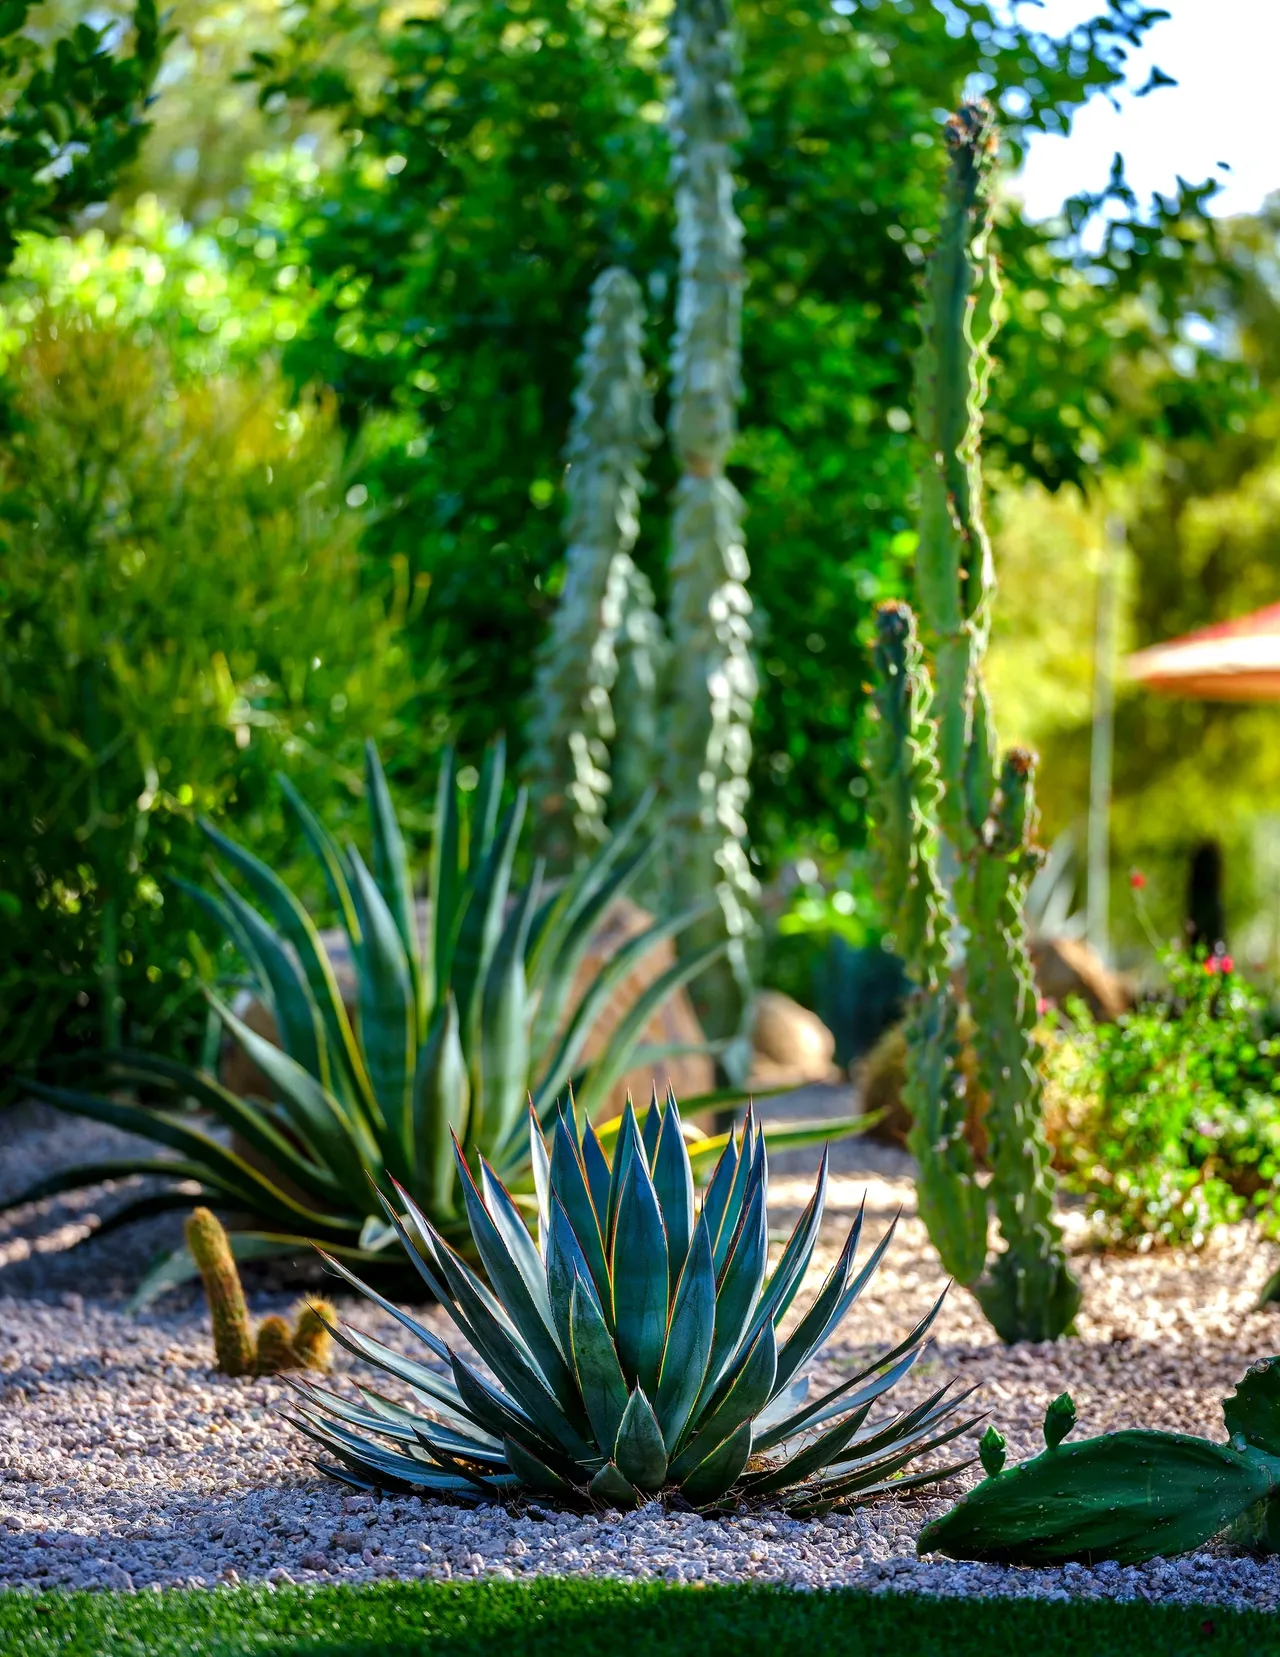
1236,661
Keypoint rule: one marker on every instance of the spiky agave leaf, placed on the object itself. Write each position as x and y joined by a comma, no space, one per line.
636,1347
455,1029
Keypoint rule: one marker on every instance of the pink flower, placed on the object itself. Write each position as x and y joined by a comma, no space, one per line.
1137,879
1045,1004
1227,963
1213,964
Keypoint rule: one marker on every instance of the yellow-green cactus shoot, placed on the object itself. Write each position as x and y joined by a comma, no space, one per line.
312,1343
232,1337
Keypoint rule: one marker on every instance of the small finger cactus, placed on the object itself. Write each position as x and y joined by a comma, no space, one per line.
232,1336
278,1347
1127,1496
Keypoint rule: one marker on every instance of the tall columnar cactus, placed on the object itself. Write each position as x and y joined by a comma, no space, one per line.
904,814
985,810
638,695
713,682
572,724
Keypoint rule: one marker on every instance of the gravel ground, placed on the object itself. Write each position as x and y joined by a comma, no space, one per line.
125,1461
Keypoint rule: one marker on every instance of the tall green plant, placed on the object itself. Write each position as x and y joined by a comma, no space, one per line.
572,724
463,1018
985,807
713,679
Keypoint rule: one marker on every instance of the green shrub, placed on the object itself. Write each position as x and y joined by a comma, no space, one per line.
181,612
1174,1121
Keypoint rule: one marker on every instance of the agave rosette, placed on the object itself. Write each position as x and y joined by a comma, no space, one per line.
463,1012
634,1348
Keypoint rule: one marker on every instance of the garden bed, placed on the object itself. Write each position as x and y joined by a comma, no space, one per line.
125,1462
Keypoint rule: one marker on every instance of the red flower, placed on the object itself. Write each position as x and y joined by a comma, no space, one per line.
1213,964
1137,879
1227,963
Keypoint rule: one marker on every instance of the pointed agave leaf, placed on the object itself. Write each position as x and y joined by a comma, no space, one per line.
715,1198
339,1138
606,1071
688,1349
744,1391
504,1030
566,1264
488,799
391,863
511,1226
569,1184
541,1165
595,1362
651,1128
788,1274
568,1050
673,1181
297,1016
327,853
535,1473
530,1315
640,1278
300,931
739,1287
715,1477
481,924
737,1194
441,1105
388,1017
639,1452
813,1329
598,1174
609,1486
444,885
627,1147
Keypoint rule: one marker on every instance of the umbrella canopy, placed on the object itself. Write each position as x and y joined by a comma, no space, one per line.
1236,661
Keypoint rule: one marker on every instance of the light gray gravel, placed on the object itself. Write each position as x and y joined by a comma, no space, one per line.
125,1461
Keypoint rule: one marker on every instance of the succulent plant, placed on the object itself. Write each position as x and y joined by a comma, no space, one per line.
453,1032
712,684
636,1346
572,718
236,1352
938,778
1127,1496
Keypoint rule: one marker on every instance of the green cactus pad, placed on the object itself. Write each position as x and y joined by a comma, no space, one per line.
1252,1411
1128,1496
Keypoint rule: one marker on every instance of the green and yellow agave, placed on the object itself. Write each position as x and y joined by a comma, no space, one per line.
635,1346
463,1014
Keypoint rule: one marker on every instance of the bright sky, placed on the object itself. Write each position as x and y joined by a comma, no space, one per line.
1225,55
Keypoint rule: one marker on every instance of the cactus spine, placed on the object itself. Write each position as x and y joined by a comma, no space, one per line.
713,683
572,725
232,1337
987,816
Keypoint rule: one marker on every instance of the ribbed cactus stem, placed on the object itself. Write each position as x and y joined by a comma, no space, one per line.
312,1343
274,1352
232,1337
638,695
903,811
713,682
572,723
989,819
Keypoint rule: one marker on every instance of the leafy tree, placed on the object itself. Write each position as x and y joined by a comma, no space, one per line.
72,117
500,155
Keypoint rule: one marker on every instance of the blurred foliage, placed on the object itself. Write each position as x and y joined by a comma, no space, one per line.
1203,516
1169,1120
71,115
182,610
498,156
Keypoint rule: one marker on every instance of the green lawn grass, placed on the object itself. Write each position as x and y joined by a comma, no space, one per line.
585,1618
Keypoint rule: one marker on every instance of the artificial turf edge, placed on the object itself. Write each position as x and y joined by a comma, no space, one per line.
552,1617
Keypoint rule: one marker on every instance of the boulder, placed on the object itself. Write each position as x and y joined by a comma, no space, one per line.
674,1024
1066,967
791,1046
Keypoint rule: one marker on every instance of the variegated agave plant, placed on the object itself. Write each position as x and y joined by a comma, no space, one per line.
635,1348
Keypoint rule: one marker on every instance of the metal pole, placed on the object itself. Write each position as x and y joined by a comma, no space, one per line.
1104,702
